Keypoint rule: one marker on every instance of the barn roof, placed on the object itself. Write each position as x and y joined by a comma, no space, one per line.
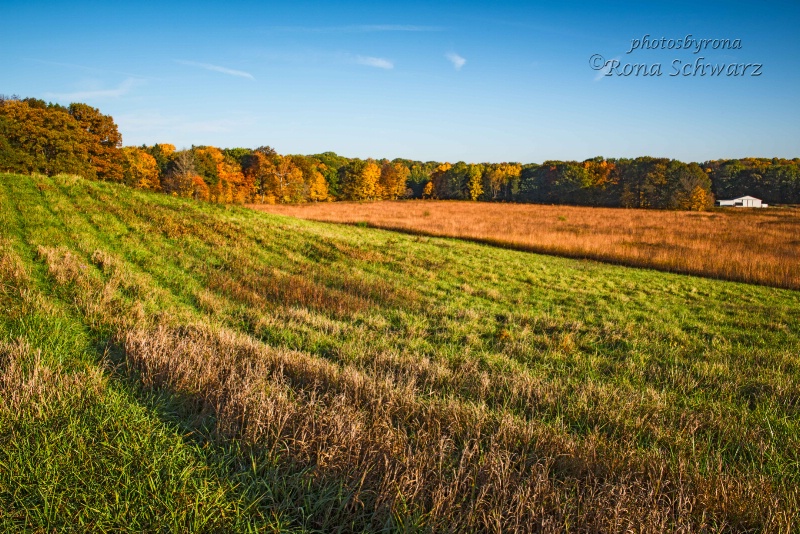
747,197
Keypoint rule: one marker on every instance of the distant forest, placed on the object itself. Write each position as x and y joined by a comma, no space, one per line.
40,137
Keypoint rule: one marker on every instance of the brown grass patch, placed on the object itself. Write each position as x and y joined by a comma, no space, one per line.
100,300
755,246
12,269
30,388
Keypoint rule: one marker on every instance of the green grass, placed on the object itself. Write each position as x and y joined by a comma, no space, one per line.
179,366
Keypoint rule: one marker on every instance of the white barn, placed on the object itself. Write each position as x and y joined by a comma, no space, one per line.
742,202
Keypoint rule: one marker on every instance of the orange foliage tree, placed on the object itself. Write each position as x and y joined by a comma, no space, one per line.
230,185
199,188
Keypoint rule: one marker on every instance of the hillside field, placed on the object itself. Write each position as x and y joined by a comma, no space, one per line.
173,365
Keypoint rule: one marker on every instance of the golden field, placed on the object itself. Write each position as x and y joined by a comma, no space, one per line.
756,246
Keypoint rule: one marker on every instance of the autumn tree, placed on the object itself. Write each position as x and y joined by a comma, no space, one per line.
316,187
691,187
330,163
501,181
199,188
140,169
440,185
392,181
104,141
230,171
222,172
206,160
475,182
286,180
162,153
282,179
45,139
257,167
10,159
277,178
359,180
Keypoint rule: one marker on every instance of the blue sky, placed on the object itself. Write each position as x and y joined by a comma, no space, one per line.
446,81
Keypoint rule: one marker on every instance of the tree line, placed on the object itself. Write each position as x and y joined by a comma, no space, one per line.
40,137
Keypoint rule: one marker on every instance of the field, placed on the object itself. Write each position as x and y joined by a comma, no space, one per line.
754,246
170,365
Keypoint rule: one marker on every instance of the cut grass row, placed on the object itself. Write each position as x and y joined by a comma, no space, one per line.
357,379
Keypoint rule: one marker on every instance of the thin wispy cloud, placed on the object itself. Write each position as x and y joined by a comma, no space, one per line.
123,89
328,57
360,28
456,60
378,62
217,68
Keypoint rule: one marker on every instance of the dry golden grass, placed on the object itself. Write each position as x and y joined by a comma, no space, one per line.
28,386
755,246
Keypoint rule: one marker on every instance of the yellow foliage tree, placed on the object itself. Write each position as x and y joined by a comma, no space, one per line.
500,175
392,182
475,183
317,187
360,180
370,176
140,169
700,200
599,173
221,192
284,180
167,149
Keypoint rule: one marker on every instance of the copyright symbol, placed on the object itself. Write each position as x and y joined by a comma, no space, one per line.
597,62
